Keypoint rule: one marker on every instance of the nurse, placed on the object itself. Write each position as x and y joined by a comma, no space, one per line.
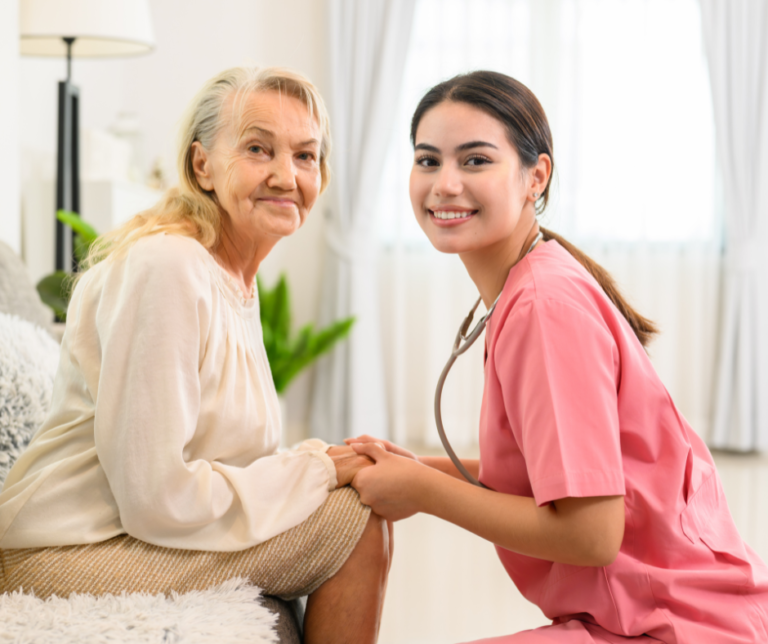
604,505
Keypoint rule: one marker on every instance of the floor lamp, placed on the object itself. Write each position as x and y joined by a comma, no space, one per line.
83,29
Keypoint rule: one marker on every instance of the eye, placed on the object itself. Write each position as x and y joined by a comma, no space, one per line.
427,161
477,160
307,156
256,149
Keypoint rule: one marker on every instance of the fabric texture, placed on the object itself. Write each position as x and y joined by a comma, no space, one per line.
293,564
28,360
368,45
736,44
573,408
164,422
18,295
227,614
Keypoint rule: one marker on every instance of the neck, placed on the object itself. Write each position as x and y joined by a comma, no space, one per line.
489,266
241,257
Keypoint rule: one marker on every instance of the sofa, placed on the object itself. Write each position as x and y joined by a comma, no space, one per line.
18,297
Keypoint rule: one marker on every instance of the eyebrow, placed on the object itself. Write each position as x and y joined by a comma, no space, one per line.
459,148
271,134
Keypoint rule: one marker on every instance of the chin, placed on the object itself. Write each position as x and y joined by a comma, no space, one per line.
449,247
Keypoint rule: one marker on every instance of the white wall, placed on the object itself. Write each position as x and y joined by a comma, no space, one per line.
10,211
195,39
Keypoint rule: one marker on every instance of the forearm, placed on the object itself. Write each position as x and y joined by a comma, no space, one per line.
445,465
571,535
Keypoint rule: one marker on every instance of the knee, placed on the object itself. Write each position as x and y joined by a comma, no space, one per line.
377,542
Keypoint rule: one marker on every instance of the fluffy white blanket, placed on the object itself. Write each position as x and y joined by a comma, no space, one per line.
228,614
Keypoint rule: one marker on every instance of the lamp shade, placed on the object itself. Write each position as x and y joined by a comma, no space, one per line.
100,27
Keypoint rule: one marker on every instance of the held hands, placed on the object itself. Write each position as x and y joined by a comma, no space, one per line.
390,447
394,487
348,463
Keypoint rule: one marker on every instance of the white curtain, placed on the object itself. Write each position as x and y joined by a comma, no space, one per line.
625,88
368,44
736,42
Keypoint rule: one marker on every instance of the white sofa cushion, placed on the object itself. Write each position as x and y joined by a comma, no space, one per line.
28,361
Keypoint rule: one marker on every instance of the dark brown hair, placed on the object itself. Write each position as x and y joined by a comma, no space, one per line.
516,107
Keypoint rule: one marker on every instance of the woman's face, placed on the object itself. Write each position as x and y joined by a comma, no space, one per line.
264,168
468,189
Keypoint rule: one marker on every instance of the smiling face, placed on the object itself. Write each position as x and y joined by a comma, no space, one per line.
263,168
468,189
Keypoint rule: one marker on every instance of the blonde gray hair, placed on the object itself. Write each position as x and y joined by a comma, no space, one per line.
188,209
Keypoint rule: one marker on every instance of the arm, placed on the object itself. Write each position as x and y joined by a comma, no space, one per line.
441,463
560,403
577,531
445,465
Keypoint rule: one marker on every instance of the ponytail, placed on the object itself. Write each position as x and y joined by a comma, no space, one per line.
643,327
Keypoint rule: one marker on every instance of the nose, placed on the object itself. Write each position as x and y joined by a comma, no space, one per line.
283,174
448,181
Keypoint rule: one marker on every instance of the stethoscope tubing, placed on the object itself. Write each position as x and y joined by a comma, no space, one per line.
458,349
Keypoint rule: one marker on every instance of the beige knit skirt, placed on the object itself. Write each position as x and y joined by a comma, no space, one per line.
292,564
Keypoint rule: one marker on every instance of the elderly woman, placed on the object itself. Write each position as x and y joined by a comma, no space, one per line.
157,467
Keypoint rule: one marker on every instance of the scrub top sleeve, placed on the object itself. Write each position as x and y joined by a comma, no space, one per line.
557,367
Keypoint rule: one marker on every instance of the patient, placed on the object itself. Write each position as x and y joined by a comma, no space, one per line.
157,467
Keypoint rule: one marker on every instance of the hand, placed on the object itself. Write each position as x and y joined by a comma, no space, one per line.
340,450
390,447
392,487
348,463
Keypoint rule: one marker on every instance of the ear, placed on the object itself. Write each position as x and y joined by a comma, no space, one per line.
201,164
539,175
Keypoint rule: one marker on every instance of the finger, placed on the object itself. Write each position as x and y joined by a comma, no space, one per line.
365,438
376,451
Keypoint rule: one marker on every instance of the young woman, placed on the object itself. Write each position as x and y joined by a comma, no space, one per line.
604,505
157,467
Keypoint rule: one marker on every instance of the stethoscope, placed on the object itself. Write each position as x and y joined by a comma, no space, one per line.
458,349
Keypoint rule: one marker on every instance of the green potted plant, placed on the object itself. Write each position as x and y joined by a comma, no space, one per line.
288,353
56,288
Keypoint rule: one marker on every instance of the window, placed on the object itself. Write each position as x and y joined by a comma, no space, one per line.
625,87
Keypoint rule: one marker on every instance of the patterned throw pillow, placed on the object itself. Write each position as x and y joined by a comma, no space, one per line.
28,361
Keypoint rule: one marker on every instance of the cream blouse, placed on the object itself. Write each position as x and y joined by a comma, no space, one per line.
164,422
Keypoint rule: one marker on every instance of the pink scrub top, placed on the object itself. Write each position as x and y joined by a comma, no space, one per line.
572,407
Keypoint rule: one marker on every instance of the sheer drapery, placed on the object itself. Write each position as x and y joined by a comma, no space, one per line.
625,87
736,42
368,42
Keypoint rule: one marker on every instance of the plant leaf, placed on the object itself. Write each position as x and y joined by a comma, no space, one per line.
281,311
54,290
82,228
289,356
81,248
314,345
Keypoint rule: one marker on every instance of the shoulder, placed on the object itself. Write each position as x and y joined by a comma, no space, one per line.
165,270
167,252
160,262
551,277
552,290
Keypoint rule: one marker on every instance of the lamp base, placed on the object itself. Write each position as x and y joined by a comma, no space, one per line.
67,171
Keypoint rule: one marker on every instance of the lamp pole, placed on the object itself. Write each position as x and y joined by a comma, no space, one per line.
67,164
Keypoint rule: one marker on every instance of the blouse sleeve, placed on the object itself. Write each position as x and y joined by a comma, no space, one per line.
558,367
153,321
